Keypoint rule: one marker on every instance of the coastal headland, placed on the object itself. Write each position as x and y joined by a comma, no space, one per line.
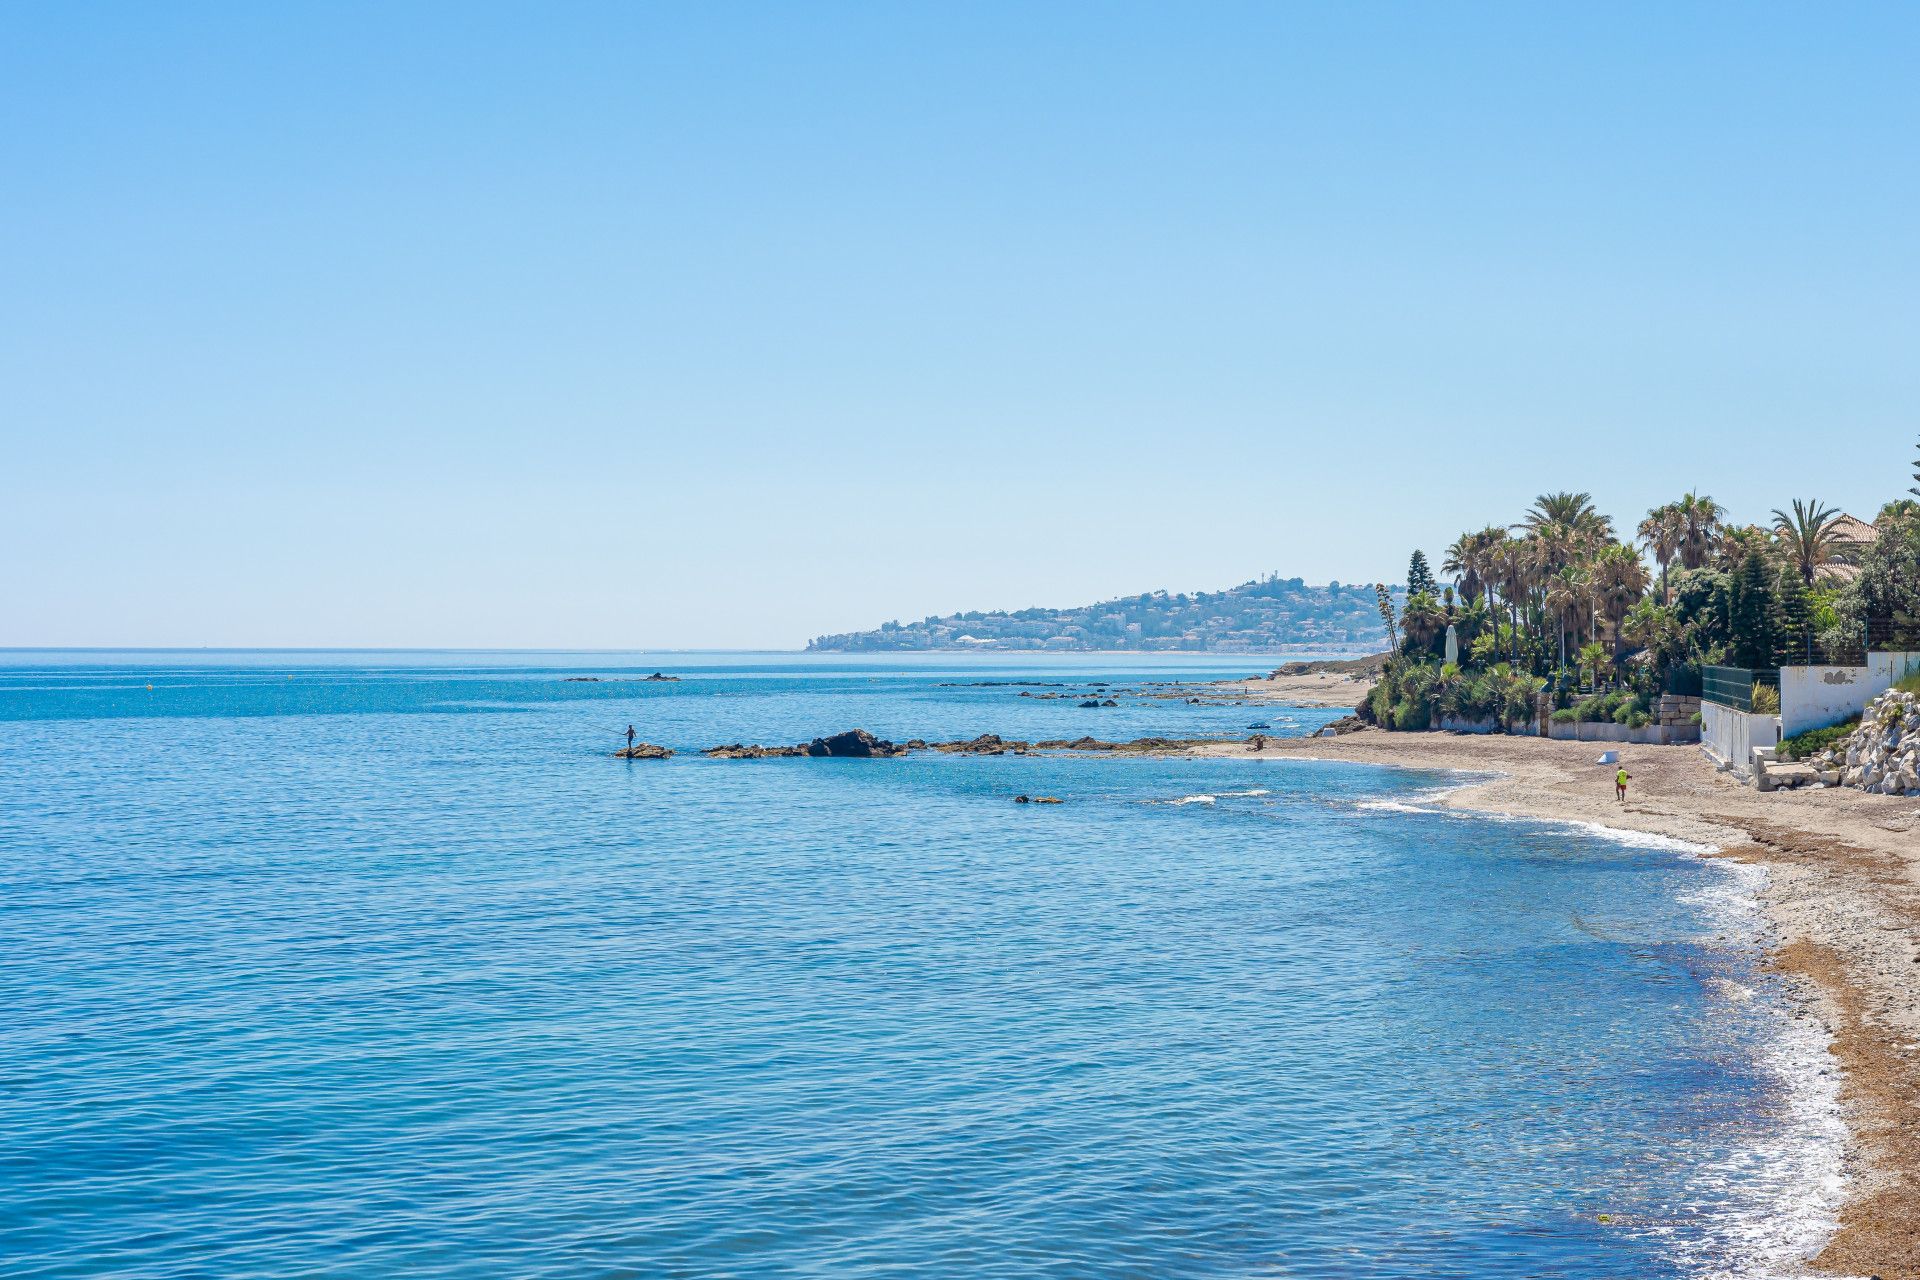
1842,899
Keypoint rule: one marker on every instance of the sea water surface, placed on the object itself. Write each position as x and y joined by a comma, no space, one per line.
379,965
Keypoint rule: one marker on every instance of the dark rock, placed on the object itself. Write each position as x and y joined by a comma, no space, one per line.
1109,703
854,743
740,751
643,751
657,676
583,679
987,744
1091,702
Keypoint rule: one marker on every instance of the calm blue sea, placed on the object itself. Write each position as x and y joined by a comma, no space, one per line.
378,965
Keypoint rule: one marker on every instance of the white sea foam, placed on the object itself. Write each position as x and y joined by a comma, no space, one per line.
1252,791
1776,1201
1771,1205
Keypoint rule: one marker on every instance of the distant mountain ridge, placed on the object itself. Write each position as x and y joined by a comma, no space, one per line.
1271,614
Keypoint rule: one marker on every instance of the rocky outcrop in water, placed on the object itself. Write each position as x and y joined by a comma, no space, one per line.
858,743
853,744
1883,755
643,751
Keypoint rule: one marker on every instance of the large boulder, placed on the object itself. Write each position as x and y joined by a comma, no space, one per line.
853,743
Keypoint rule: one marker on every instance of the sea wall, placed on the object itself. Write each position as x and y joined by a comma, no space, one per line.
1728,737
1815,697
1653,735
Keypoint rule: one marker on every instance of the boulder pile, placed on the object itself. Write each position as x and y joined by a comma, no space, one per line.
1883,755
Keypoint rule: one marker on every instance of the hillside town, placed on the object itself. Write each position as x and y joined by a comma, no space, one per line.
1268,615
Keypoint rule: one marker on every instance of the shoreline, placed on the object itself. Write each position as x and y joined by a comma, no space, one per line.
1840,905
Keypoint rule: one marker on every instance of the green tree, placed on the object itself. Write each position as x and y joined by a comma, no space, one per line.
1882,603
1751,613
1419,576
1793,618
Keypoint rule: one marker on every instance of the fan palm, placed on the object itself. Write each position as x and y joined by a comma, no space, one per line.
1620,579
1661,533
1699,518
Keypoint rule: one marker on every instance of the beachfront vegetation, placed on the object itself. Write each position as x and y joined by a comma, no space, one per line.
1560,603
1814,741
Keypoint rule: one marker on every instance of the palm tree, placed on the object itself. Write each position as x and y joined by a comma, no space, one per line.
1575,511
1422,621
1620,578
1807,536
1699,519
1469,560
1661,533
1565,591
1511,564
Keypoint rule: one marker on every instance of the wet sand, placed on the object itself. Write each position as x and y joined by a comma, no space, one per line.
1842,899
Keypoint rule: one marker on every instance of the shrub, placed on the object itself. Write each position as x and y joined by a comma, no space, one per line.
1814,741
1565,715
1766,700
1908,684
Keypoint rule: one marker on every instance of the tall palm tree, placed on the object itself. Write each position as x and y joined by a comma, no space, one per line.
1512,571
1699,519
1462,563
1808,536
1574,510
1470,560
1565,591
1620,579
1661,533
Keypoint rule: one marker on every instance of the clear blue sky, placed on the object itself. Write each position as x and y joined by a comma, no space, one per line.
725,325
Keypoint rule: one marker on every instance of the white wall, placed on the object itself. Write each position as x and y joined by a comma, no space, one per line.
1730,736
1815,697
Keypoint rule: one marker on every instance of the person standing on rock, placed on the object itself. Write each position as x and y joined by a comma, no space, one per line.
630,737
1620,784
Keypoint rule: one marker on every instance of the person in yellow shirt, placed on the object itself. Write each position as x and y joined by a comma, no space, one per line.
1620,785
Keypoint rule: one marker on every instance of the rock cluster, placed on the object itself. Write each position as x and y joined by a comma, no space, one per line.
860,743
644,751
853,744
1883,755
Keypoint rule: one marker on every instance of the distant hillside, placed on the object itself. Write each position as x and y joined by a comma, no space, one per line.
1270,615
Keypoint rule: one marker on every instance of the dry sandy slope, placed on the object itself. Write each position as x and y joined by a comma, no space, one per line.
1843,898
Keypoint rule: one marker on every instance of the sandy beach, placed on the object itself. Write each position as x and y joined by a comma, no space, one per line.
1842,900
